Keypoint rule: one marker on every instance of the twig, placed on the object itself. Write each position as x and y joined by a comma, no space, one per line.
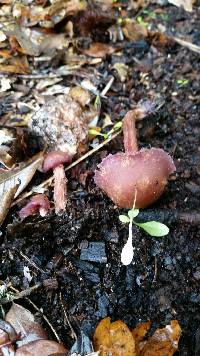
31,262
155,270
40,312
66,317
187,44
107,87
21,294
48,181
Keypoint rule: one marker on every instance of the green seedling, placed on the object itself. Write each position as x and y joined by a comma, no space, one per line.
182,82
164,17
141,21
149,13
153,228
115,128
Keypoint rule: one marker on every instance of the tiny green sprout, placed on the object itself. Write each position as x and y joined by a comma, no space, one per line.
153,228
149,13
141,21
182,82
118,125
115,128
97,133
164,16
97,102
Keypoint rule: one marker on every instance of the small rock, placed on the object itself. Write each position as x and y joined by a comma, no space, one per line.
196,275
94,252
195,298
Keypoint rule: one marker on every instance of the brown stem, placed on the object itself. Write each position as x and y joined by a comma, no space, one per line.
129,131
60,188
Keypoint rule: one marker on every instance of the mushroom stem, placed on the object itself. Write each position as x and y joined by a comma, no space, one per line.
60,188
130,134
128,125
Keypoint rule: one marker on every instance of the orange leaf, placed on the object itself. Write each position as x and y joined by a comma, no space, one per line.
98,50
139,333
164,342
114,338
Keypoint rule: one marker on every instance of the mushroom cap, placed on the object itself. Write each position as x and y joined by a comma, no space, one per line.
38,203
54,159
143,174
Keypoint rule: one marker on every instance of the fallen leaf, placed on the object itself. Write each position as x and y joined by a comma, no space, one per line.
113,338
19,176
186,4
82,96
22,320
98,50
134,31
139,333
94,17
5,84
164,342
6,201
18,65
41,347
122,70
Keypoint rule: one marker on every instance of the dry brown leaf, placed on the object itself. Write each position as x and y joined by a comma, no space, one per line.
22,320
41,347
164,342
115,338
122,71
139,333
134,31
19,176
18,65
186,4
6,201
82,96
5,53
95,16
98,50
19,37
62,8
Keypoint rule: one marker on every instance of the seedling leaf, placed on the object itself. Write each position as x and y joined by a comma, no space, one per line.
124,219
133,213
118,125
154,228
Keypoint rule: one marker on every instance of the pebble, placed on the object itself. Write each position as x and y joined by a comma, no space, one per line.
94,252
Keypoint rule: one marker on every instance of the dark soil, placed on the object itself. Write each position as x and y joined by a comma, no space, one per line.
81,249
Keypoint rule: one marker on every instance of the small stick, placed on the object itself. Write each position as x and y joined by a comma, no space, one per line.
66,317
21,294
155,270
31,262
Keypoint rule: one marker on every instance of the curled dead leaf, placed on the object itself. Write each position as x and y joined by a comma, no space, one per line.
6,201
139,333
164,342
98,50
41,347
186,4
114,338
22,320
21,175
134,31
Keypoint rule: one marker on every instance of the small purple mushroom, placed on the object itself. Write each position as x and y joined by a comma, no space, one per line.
55,160
38,203
134,175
